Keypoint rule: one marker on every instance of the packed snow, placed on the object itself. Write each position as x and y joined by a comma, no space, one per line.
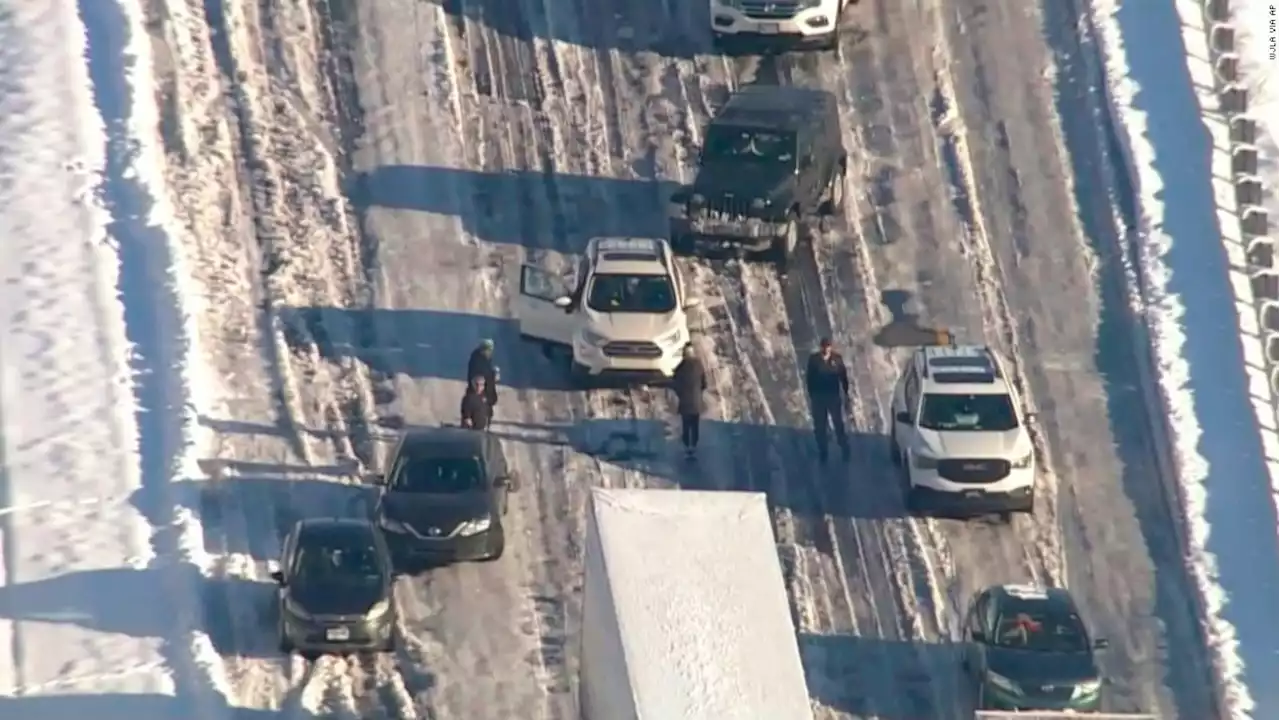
1223,431
701,608
99,597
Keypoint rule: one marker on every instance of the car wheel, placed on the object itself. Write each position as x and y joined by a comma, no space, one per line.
785,244
1006,518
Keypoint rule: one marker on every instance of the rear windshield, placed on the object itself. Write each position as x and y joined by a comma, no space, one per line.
632,294
439,475
978,413
753,146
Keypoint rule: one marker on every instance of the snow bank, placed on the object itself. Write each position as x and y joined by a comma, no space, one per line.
1194,293
685,614
100,588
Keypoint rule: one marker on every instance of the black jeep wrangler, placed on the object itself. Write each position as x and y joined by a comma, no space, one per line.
772,160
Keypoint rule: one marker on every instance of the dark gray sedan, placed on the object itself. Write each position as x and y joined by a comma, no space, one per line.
335,584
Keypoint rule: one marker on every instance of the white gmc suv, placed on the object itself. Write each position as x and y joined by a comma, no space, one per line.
804,22
625,318
960,431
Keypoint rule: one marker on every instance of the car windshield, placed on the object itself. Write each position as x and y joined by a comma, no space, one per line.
989,413
632,294
439,475
341,558
1035,628
752,146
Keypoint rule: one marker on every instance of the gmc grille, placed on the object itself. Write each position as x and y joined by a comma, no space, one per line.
974,471
763,10
632,350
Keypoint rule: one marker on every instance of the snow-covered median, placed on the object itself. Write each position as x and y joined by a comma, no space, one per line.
99,607
1224,445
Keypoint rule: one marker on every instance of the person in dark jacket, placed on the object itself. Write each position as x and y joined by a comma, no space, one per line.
476,410
689,383
481,363
827,381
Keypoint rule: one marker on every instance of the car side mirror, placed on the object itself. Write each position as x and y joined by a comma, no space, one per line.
903,417
1031,416
1101,644
692,303
278,578
563,302
507,481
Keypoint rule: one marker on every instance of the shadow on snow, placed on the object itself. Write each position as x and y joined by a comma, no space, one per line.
121,706
876,677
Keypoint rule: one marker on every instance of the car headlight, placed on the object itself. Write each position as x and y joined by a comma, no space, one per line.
594,339
697,200
296,610
474,527
1023,462
675,337
923,461
1086,689
759,204
1003,683
379,609
391,525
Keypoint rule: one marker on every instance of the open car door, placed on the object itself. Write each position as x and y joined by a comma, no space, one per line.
536,310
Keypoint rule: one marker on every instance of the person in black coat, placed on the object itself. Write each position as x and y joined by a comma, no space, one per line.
481,364
476,410
689,383
827,382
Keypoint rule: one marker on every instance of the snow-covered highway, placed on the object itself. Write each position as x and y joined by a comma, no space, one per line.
357,183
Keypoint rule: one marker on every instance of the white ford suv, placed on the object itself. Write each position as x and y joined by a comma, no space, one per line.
960,431
804,22
626,316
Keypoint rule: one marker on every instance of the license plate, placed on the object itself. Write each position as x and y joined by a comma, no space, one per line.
768,28
337,634
973,494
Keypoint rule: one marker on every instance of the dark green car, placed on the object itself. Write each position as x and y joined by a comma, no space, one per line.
1028,649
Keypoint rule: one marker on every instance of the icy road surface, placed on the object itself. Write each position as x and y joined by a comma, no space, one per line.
371,178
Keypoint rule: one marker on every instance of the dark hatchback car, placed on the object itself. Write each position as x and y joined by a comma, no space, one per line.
335,583
444,497
1029,650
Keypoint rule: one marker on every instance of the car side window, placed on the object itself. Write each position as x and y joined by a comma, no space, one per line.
911,391
987,615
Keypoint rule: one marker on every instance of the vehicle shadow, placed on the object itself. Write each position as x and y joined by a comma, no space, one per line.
887,679
668,29
759,459
904,328
584,206
247,508
122,706
428,343
108,601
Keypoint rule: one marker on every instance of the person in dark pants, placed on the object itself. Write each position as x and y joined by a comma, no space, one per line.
827,381
689,383
481,364
476,410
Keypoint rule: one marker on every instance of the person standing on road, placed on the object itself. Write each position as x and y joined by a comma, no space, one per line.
827,381
476,409
481,363
690,383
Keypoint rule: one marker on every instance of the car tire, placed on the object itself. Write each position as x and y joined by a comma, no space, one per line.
784,245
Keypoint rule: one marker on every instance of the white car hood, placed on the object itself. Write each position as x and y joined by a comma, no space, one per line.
633,326
968,444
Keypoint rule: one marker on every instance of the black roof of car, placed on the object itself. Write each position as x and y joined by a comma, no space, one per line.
334,527
444,442
777,107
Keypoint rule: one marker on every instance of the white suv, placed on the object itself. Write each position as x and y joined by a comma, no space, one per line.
960,430
626,316
803,21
